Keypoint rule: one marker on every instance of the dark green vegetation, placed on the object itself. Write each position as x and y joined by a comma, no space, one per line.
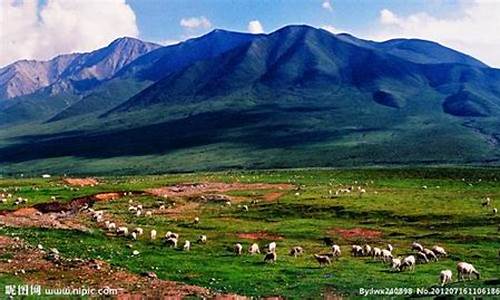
448,213
298,97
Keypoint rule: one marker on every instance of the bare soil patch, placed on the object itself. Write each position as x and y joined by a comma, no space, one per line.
260,235
81,182
32,266
191,189
357,233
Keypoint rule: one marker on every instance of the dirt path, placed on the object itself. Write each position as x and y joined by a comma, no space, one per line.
33,266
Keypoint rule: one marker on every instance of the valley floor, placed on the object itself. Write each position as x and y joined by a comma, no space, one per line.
307,208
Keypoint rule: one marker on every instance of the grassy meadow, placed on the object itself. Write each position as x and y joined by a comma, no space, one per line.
396,207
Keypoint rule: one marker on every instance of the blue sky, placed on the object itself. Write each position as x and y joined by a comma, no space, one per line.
159,20
42,29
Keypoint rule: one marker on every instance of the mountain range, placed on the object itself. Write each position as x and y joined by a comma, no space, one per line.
297,97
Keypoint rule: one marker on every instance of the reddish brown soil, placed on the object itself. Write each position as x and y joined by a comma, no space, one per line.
273,196
31,217
357,233
81,181
261,235
31,266
191,189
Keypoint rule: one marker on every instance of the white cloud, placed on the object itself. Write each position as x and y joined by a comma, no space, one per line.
327,5
330,28
255,27
474,30
28,31
195,23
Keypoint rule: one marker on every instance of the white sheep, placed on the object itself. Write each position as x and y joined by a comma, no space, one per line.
390,247
270,257
322,259
138,213
336,250
245,207
152,234
202,239
408,263
466,269
271,247
139,206
238,248
416,246
367,249
422,257
139,231
196,220
495,210
439,251
376,252
396,264
171,242
430,254
296,251
386,255
356,250
253,249
148,213
111,226
445,277
187,246
170,234
122,231
134,235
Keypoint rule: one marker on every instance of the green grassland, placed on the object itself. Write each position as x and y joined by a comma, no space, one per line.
448,213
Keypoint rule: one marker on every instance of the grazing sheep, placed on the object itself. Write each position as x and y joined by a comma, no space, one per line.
152,234
138,213
196,220
139,231
396,264
439,251
495,210
271,247
386,255
466,269
202,239
408,263
322,259
357,250
296,251
139,206
367,250
253,249
122,231
421,257
148,213
336,250
487,202
389,247
430,254
134,235
416,246
445,277
187,246
111,226
238,249
171,242
132,209
270,257
170,234
376,252
245,207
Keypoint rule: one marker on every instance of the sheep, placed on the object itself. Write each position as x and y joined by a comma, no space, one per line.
245,207
148,213
202,239
386,255
389,247
138,213
322,259
238,248
296,251
396,264
139,231
466,269
367,249
132,209
122,231
357,250
487,202
421,257
445,277
171,242
416,246
152,234
139,206
270,257
111,226
376,252
439,251
253,249
171,235
408,263
187,246
336,250
134,235
430,254
271,247
495,210
196,220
